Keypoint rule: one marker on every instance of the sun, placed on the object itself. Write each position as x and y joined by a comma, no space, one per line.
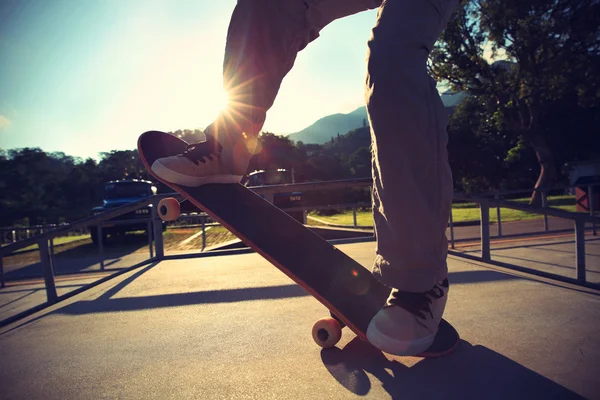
206,102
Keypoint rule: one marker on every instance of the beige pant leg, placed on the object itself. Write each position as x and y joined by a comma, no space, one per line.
412,181
263,40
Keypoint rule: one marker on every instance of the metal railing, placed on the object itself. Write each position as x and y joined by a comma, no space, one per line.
13,234
579,221
593,189
44,241
485,203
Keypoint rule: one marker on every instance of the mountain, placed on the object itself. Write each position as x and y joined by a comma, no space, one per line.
327,127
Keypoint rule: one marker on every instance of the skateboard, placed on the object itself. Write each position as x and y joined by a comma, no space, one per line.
350,292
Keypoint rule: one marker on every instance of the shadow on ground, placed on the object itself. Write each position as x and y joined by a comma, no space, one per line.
78,258
470,372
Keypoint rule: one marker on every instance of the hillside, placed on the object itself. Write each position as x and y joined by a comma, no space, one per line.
327,127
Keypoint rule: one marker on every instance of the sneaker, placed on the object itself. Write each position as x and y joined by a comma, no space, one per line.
407,324
201,164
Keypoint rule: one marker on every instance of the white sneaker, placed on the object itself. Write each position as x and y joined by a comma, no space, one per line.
407,324
200,164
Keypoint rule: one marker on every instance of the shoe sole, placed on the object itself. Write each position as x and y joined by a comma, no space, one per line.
191,181
398,347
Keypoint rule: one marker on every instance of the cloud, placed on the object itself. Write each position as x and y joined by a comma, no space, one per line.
4,122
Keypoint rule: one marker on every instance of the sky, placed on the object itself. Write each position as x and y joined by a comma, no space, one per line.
89,76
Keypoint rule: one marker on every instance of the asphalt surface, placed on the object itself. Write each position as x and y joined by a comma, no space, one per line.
235,327
552,252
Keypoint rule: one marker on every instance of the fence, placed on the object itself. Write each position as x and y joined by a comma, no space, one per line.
44,241
15,233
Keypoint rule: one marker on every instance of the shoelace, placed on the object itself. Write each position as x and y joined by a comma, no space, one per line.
202,152
418,304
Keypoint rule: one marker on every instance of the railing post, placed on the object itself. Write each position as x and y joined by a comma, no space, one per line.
591,201
451,230
497,197
304,216
544,205
354,216
2,283
46,260
158,238
150,242
203,233
485,230
100,245
580,249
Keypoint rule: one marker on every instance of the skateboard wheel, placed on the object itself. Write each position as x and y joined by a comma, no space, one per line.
327,332
169,209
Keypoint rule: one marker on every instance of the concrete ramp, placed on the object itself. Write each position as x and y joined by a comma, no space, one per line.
235,327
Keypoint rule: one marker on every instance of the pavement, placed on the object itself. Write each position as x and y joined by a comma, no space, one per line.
554,255
235,327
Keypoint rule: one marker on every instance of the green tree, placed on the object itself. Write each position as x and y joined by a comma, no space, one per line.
189,135
32,179
549,48
274,151
360,163
481,153
122,164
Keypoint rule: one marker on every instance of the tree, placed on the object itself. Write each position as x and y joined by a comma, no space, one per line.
190,136
122,164
274,151
360,163
482,155
548,48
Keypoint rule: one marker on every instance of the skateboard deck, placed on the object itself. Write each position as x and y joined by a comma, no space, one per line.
345,287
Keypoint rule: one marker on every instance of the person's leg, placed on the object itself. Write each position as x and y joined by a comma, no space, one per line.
412,181
263,40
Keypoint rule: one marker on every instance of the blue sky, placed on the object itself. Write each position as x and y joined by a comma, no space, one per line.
86,76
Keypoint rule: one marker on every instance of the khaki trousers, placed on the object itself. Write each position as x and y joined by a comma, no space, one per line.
412,181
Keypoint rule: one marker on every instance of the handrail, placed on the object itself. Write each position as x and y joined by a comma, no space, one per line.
82,223
555,212
310,186
272,189
155,226
529,190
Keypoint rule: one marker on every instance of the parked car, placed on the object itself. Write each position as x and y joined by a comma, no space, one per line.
119,193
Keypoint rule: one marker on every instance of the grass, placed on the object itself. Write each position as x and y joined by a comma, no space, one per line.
363,218
461,212
174,238
131,243
59,241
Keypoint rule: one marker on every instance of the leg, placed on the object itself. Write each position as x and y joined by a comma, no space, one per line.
263,40
412,182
